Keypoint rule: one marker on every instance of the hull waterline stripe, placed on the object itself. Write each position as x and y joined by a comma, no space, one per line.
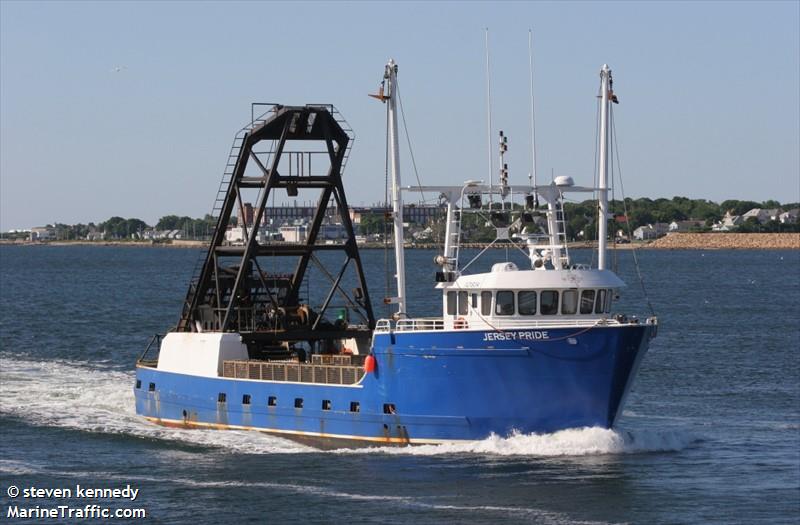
180,423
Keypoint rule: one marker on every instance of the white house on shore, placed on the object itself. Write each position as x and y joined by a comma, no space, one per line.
729,222
96,236
42,233
789,216
686,226
762,215
155,235
651,231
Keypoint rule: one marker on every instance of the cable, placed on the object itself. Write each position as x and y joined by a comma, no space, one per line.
615,151
408,137
615,255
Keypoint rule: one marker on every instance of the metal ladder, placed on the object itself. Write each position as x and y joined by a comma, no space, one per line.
561,233
219,200
347,129
227,176
455,240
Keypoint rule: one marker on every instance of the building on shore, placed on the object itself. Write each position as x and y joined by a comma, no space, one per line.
686,226
762,215
415,213
728,223
651,231
789,216
422,214
42,233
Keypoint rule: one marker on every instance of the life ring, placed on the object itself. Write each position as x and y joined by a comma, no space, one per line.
460,323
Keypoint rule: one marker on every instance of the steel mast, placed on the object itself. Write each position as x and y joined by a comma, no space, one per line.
602,229
397,199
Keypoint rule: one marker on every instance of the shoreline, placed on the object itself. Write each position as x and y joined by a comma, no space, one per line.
674,241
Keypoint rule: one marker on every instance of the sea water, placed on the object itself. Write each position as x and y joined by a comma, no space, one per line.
710,433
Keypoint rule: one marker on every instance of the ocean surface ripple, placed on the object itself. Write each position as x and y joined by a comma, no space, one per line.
711,432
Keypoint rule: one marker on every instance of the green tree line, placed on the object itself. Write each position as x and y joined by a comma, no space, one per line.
579,217
131,228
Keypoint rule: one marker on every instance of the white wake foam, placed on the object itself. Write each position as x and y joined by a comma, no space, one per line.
72,395
571,442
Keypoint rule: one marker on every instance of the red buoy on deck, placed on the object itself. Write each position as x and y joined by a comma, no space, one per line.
369,364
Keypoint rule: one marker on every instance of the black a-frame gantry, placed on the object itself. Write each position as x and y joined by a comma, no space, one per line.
237,288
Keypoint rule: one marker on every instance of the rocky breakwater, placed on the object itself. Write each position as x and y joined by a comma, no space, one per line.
729,241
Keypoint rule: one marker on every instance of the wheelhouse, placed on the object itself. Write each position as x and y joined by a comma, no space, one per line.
507,296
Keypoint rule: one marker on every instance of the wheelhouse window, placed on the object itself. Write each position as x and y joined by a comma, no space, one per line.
587,301
463,303
504,303
569,302
609,297
451,303
474,301
549,300
600,302
526,303
457,302
486,303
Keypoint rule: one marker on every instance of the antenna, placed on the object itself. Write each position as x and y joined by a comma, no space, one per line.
489,120
533,114
503,179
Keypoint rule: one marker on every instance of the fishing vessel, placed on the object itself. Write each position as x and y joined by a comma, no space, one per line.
526,349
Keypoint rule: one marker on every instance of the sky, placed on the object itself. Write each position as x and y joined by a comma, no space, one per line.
129,108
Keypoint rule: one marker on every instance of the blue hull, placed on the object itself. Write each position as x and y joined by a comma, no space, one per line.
444,386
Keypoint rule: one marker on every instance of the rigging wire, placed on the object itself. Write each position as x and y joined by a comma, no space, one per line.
408,137
615,255
423,200
615,151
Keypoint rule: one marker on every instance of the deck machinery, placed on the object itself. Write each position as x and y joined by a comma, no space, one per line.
236,287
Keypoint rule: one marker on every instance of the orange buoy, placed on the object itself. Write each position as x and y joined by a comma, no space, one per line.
369,364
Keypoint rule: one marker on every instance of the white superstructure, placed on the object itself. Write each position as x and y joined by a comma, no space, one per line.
552,291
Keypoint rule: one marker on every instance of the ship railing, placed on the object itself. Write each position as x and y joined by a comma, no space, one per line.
539,323
245,317
410,325
429,324
145,359
335,373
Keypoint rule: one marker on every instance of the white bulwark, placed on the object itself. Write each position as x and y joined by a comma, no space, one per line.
200,354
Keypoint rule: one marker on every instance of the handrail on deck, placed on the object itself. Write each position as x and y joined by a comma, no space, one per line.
410,325
156,339
511,323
